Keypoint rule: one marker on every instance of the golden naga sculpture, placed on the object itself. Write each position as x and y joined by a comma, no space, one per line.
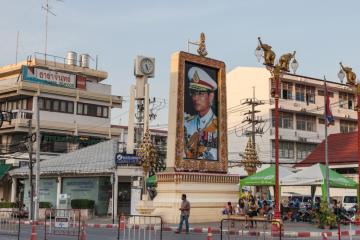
285,59
350,75
269,55
202,47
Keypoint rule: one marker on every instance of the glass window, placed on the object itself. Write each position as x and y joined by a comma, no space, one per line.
41,104
310,94
286,90
285,120
286,149
347,126
85,110
24,104
304,149
56,105
300,92
346,100
105,112
80,108
70,107
62,106
306,123
98,111
47,104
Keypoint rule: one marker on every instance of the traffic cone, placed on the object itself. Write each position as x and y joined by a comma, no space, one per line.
33,231
209,236
122,222
82,231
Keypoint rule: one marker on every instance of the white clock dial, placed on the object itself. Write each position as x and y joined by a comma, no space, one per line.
147,66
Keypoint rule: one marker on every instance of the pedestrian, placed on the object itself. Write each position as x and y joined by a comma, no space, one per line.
184,214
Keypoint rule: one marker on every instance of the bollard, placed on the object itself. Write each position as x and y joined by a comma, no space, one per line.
82,231
209,236
122,222
33,231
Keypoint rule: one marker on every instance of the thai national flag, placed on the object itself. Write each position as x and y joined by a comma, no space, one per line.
329,116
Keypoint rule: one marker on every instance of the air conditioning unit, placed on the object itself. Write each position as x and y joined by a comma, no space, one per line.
302,139
303,110
296,104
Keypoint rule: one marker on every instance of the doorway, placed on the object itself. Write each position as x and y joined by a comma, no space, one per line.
124,198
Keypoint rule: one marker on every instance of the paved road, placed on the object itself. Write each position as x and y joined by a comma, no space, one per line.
111,234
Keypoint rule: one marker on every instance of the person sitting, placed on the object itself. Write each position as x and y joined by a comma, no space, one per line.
228,209
241,207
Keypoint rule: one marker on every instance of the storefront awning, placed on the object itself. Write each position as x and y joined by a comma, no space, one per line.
4,168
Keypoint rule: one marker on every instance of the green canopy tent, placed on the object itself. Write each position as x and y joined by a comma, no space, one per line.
315,176
265,177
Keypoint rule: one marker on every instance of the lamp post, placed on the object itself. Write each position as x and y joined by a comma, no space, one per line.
264,51
351,81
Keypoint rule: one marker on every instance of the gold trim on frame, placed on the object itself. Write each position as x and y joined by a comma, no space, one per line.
193,165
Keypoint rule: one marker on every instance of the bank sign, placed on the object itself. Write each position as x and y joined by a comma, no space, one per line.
49,77
126,159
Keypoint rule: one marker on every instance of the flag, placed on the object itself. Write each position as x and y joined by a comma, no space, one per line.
328,113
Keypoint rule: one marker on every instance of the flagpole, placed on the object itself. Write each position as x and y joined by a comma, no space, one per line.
327,105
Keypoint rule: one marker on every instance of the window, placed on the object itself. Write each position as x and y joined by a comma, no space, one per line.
322,121
304,149
300,92
305,93
92,110
285,120
286,92
346,100
286,149
321,93
347,126
55,105
306,123
19,104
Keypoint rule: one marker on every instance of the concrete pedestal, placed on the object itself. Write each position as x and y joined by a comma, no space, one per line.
207,193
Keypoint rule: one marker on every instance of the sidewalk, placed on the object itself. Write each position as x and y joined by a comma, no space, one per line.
290,229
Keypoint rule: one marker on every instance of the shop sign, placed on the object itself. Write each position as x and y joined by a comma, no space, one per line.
126,159
49,77
62,222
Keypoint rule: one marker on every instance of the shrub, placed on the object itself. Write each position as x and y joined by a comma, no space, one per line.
7,205
44,205
325,216
82,204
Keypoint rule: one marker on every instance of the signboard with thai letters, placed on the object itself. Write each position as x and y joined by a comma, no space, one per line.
54,78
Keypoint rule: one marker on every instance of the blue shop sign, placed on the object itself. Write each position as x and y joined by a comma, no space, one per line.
126,159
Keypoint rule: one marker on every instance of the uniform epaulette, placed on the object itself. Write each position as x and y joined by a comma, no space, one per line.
189,117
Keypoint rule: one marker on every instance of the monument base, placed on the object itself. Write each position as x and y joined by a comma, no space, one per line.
207,193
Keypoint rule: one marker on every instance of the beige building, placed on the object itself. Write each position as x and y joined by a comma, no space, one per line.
301,113
74,104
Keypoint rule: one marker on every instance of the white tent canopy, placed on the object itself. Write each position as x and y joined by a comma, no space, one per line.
308,176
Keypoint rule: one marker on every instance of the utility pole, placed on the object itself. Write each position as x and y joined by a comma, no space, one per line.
37,170
30,144
253,102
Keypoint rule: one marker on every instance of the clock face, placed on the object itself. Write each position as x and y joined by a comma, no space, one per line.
146,66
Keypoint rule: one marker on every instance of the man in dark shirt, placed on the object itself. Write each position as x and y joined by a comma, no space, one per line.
185,213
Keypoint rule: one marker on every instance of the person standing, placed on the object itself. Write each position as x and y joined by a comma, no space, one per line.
184,214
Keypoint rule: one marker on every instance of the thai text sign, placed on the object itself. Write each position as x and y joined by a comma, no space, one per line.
62,222
126,159
49,77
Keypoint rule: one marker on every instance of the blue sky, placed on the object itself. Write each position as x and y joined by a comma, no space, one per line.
322,32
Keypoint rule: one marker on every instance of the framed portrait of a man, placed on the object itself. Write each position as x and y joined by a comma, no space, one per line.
200,125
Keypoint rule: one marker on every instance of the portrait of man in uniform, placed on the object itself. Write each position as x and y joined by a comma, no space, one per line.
200,113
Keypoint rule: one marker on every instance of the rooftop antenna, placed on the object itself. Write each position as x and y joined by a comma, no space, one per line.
17,46
48,9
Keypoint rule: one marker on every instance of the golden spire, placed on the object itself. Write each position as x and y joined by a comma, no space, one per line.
250,161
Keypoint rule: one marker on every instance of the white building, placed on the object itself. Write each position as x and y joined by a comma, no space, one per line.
301,110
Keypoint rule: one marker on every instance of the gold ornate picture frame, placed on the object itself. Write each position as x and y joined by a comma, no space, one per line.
178,71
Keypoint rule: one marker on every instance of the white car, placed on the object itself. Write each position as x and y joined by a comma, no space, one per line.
349,202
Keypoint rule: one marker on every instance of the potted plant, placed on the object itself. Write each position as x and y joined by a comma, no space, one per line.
326,218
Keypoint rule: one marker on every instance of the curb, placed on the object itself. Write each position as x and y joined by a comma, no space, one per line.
218,231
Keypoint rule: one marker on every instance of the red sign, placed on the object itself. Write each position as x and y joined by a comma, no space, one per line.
80,82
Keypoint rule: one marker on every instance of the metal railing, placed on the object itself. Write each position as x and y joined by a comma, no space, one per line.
348,230
244,227
65,222
139,227
10,224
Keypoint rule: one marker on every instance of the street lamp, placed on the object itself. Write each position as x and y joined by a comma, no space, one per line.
264,50
351,81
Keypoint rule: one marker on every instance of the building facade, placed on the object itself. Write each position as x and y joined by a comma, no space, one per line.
74,107
301,113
